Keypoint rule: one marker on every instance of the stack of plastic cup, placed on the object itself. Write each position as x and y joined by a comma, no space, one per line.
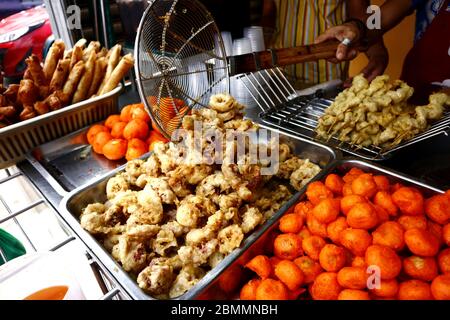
227,43
242,46
256,36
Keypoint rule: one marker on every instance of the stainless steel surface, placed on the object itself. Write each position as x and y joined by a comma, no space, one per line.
18,139
69,162
262,241
298,113
72,205
178,56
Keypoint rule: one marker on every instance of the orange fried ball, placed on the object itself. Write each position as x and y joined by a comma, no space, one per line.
347,190
386,289
270,289
291,223
414,290
248,291
436,230
332,258
359,262
93,131
317,191
421,242
315,226
111,120
382,183
288,246
362,216
352,175
136,129
413,222
348,202
326,287
261,266
100,140
290,274
437,209
304,233
136,149
386,259
444,260
310,268
327,210
409,200
334,183
384,200
335,228
446,234
115,149
312,246
364,185
389,234
352,294
419,268
355,240
353,278
117,129
303,208
440,287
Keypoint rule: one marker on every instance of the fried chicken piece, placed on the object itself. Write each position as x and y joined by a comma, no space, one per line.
188,277
156,279
230,238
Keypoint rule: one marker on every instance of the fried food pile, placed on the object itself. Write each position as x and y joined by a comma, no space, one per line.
379,114
66,77
169,220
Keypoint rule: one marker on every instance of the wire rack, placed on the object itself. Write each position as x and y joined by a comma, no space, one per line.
14,218
284,108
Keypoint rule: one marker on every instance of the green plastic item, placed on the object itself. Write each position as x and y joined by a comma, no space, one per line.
11,247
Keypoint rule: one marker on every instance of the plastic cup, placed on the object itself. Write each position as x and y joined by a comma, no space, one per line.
242,46
256,36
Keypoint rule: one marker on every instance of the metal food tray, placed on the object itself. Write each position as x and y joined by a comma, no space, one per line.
18,139
262,242
73,203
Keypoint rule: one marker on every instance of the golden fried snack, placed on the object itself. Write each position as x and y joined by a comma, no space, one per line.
86,79
68,55
61,46
53,56
28,93
102,53
3,101
56,100
99,74
11,92
74,78
77,55
94,46
27,113
8,111
41,107
37,73
60,75
114,58
125,64
27,75
43,91
81,43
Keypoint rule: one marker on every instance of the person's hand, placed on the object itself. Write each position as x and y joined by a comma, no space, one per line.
346,31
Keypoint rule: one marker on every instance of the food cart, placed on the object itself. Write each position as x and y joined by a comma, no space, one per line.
63,179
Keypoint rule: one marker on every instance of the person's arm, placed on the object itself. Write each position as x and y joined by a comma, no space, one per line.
392,13
377,53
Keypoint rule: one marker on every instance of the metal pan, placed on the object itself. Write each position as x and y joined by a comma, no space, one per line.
73,204
261,244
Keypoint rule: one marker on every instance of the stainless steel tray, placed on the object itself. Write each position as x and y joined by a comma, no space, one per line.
262,242
73,203
69,162
18,139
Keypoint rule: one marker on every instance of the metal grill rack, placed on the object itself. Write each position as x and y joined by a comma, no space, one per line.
286,109
14,218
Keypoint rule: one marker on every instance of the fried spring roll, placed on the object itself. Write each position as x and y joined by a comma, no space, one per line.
99,73
60,75
102,53
52,59
36,71
77,55
27,75
113,61
86,79
68,55
94,46
56,100
28,92
41,107
11,92
81,43
119,72
27,113
8,111
74,78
